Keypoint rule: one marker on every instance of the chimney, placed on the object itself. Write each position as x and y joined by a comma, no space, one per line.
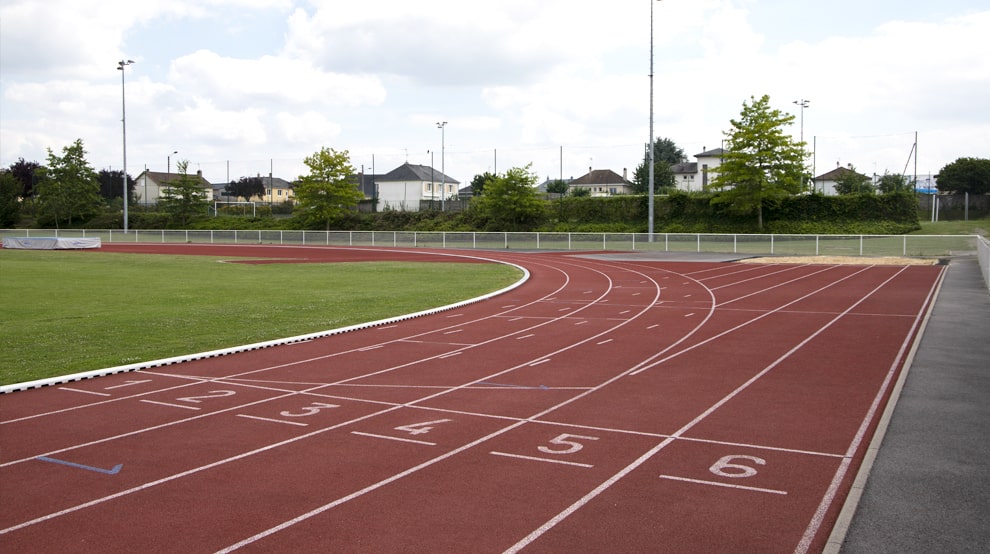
625,174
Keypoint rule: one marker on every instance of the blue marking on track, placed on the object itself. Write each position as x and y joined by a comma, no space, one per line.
509,386
112,471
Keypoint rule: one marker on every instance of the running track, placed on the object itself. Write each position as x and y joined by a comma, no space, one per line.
604,405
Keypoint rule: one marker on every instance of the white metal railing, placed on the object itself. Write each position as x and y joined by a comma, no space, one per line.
753,245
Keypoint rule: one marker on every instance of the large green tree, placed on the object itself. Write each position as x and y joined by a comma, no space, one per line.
665,154
10,204
69,188
327,192
27,173
970,175
246,188
112,184
893,183
510,202
853,182
761,161
480,181
185,198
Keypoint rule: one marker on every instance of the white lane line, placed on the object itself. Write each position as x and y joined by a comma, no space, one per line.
535,459
526,336
397,439
70,389
607,484
170,405
259,418
726,485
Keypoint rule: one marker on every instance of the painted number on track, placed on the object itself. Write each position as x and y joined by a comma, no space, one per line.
569,443
212,394
728,466
312,409
420,428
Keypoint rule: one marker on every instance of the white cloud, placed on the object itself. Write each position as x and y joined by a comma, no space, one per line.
536,81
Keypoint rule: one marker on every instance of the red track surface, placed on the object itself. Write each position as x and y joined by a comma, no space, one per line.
602,406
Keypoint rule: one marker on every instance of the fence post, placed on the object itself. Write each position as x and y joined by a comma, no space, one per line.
861,245
771,245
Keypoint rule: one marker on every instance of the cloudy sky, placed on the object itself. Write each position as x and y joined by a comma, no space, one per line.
244,87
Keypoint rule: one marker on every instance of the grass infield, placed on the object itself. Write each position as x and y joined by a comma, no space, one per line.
64,311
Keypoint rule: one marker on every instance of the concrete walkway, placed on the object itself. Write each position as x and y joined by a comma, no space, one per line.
929,488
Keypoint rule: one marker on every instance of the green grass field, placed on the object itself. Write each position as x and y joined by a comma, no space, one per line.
64,312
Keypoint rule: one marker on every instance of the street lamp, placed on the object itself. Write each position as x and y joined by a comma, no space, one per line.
443,171
651,157
804,104
168,168
123,120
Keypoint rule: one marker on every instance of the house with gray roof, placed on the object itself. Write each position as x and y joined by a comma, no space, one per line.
149,186
603,182
696,176
405,187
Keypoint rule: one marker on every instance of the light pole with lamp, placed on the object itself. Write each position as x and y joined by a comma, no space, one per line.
804,104
443,170
652,154
168,168
123,120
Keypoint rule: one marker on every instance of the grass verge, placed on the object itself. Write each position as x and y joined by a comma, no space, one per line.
64,312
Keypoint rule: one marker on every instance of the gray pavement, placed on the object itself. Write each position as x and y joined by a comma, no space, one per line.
929,487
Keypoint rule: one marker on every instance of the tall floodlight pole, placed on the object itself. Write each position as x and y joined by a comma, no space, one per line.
123,120
651,156
443,171
804,104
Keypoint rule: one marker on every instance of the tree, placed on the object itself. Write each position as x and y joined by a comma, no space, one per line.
69,188
112,184
479,182
246,188
970,175
851,181
26,174
327,192
510,202
761,162
10,204
185,198
558,187
665,154
892,183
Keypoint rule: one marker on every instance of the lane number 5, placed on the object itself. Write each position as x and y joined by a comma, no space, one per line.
568,442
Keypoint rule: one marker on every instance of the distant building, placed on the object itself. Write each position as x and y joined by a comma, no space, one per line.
405,187
277,191
150,185
825,183
696,176
602,182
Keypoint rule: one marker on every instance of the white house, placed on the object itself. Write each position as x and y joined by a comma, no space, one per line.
825,183
696,176
150,185
405,187
602,182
